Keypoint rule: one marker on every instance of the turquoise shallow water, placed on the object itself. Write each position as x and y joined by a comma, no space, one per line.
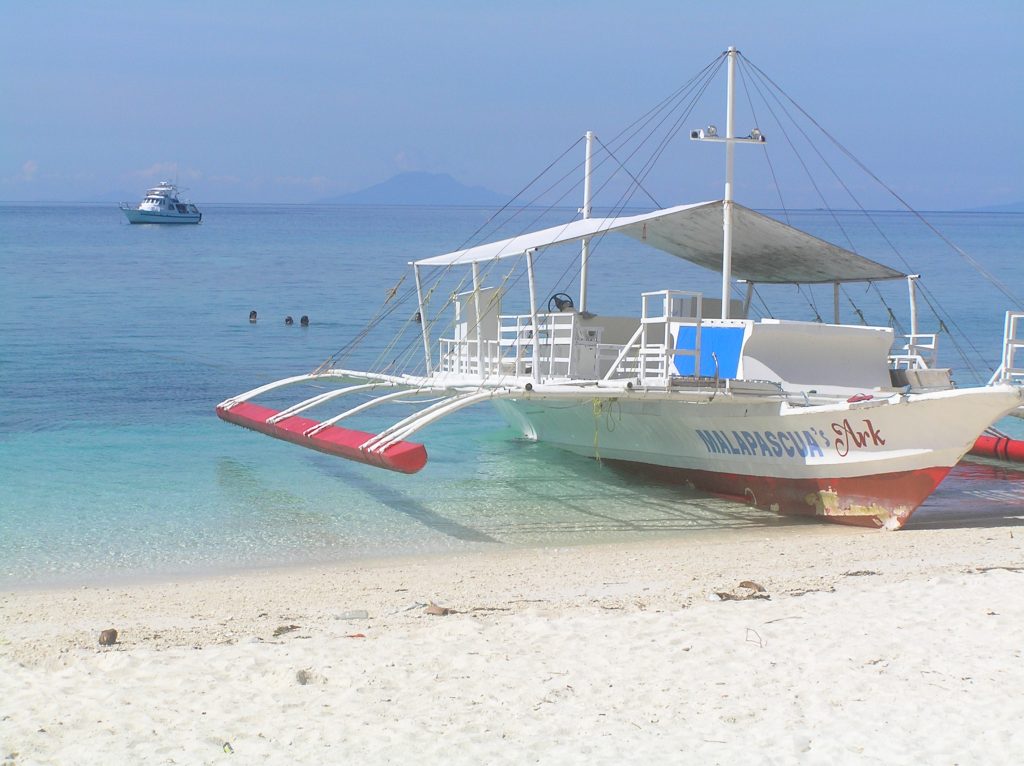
117,341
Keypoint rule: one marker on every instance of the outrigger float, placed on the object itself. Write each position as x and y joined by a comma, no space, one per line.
829,420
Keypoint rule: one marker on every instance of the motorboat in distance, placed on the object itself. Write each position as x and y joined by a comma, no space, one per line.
161,205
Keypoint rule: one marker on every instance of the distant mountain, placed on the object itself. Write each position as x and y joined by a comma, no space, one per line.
420,189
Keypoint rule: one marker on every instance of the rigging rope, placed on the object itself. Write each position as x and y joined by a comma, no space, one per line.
992,279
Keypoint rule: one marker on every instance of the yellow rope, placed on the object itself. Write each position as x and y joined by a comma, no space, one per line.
598,408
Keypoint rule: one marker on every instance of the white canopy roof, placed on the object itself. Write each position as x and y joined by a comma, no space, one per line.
764,250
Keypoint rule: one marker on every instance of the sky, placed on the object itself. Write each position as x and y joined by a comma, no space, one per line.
294,102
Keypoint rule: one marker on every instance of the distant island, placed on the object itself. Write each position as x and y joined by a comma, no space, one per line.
420,189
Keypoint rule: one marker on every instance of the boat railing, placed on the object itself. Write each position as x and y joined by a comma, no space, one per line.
920,352
553,349
565,348
650,354
1011,369
556,354
663,312
468,357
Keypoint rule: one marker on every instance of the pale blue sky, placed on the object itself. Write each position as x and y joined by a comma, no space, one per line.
291,102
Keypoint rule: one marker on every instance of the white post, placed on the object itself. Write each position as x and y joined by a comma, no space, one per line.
586,214
912,286
479,321
533,316
835,302
727,203
423,318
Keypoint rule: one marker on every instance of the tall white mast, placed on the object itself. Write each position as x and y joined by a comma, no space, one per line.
710,133
586,214
730,150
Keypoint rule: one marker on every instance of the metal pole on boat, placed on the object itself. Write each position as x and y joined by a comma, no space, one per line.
730,149
835,302
423,318
747,299
533,316
479,320
586,214
912,286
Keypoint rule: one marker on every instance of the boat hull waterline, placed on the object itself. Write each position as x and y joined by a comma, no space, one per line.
857,463
142,216
860,463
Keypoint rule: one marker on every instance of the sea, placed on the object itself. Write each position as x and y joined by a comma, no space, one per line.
117,342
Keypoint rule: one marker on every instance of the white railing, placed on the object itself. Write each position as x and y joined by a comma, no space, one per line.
466,357
650,354
920,352
565,349
658,354
1011,369
512,353
555,338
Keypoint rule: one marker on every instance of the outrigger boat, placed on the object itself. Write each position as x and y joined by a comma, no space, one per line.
829,420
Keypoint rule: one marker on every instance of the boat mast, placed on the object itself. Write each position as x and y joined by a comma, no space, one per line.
586,214
710,133
727,201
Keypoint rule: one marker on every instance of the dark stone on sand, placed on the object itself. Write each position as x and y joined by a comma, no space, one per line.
108,637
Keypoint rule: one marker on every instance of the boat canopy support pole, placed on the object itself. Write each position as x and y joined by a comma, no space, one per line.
479,320
533,315
912,287
835,302
423,319
730,151
585,210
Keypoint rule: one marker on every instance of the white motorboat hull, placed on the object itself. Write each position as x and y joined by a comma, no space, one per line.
146,216
868,463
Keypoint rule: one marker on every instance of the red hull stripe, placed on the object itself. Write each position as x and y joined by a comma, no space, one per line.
404,457
865,501
999,447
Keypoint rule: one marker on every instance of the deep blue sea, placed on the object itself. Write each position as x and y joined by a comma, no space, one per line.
117,341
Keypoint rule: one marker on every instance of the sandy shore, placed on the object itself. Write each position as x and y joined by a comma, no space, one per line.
864,647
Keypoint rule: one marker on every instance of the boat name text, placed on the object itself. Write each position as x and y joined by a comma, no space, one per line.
848,437
764,443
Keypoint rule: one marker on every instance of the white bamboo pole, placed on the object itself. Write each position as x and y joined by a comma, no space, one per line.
585,254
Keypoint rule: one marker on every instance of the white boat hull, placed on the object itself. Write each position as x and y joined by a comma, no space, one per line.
869,463
146,216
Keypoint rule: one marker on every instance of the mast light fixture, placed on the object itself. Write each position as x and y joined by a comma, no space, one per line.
710,133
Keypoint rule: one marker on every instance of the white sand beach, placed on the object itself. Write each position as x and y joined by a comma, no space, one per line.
869,648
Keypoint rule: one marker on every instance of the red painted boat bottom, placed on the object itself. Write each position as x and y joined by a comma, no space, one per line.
999,447
404,457
882,500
